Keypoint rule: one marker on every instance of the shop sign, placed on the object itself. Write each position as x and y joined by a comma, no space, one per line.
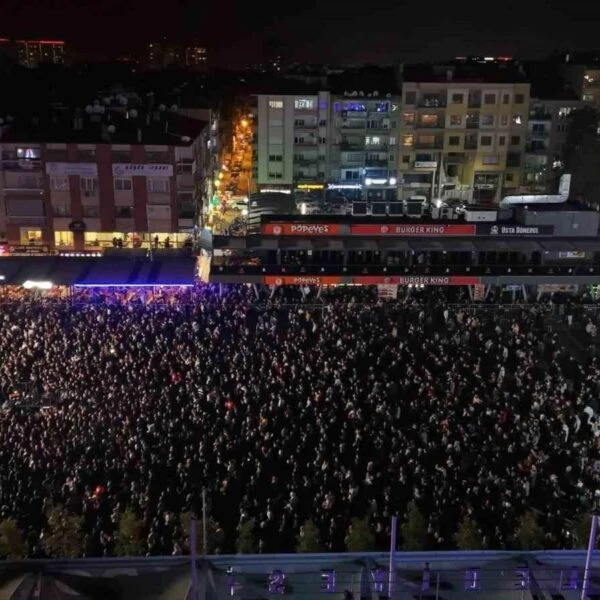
412,230
315,229
141,170
495,229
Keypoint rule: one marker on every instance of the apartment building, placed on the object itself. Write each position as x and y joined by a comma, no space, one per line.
34,53
166,54
547,131
103,176
581,70
462,132
322,140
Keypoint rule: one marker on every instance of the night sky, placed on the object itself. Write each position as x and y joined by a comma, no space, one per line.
327,31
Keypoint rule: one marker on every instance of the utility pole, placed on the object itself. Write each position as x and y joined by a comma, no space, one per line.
392,569
193,557
587,574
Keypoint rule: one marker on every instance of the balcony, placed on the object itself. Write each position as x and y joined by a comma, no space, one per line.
351,147
306,143
535,149
470,145
540,134
305,125
21,165
353,125
304,160
474,102
376,163
472,124
433,101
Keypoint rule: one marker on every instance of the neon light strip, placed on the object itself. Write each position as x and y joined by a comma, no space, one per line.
141,285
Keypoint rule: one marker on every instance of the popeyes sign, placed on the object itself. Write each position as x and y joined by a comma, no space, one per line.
301,229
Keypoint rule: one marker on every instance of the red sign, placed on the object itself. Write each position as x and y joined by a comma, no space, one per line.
417,280
408,229
301,229
4,250
301,280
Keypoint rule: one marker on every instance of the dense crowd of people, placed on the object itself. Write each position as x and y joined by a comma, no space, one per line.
293,406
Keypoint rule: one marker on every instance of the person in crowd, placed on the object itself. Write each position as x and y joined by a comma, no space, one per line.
290,405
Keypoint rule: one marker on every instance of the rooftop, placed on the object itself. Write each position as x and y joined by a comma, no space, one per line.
508,72
99,123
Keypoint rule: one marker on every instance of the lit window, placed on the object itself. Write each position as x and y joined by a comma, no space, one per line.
275,103
564,111
408,140
429,120
304,104
408,118
28,153
518,119
455,120
122,185
373,140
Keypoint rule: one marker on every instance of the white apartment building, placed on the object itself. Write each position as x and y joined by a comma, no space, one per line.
327,141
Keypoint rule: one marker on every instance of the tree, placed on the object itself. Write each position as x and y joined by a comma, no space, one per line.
360,536
309,538
529,535
12,540
582,154
130,538
468,536
246,543
414,529
63,537
214,534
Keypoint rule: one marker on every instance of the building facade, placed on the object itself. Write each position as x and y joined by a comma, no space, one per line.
164,54
33,53
59,191
547,130
315,141
462,138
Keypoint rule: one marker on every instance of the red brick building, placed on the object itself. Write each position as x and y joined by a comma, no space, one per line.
103,176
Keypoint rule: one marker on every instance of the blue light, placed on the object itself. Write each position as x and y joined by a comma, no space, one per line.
131,285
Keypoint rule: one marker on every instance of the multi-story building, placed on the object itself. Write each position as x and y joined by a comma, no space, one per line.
165,54
546,135
109,175
582,72
33,53
319,140
462,132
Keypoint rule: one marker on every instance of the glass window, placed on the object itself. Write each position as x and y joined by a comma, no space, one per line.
28,153
486,140
519,98
455,120
454,140
491,159
122,185
158,185
408,140
486,121
429,120
61,209
408,118
59,184
88,185
410,98
63,238
458,98
305,103
489,98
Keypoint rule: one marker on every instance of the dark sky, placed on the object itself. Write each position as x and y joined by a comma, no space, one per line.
327,31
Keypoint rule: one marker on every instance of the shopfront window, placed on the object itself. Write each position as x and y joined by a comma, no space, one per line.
31,236
63,238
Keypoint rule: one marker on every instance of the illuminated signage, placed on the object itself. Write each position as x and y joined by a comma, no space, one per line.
301,229
302,280
410,230
344,186
369,181
472,580
416,280
274,191
141,170
310,186
489,229
425,164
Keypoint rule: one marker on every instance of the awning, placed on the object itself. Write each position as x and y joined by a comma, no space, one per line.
98,271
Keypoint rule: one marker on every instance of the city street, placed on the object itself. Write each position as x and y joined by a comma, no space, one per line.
234,182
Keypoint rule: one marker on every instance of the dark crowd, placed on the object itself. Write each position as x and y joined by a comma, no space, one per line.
291,407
